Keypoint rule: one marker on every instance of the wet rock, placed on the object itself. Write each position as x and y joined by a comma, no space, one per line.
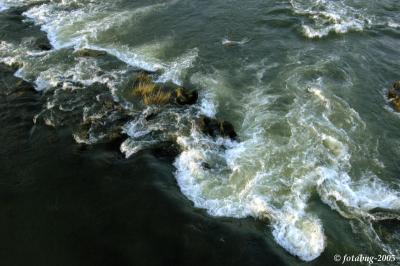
21,84
12,84
394,96
166,149
89,53
214,127
206,166
115,139
43,45
396,104
227,129
158,97
396,85
143,77
15,66
150,92
186,97
151,116
159,94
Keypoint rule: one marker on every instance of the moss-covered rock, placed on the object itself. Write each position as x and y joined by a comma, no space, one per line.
154,93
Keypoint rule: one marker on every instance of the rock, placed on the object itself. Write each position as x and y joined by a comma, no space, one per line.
115,139
159,97
396,85
206,166
44,46
89,53
151,116
167,149
185,97
394,96
227,129
23,85
12,84
41,43
214,127
396,104
143,77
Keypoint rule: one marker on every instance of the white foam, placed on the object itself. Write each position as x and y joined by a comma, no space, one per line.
3,7
6,4
178,67
130,146
329,16
77,27
228,42
393,24
270,175
299,233
363,195
222,194
80,28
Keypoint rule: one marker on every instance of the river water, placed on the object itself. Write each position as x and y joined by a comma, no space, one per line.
313,172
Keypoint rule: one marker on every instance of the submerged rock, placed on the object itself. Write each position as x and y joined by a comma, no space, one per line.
167,149
43,44
214,127
10,83
394,95
85,52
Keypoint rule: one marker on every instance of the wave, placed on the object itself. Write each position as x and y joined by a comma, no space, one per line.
328,17
228,42
6,4
3,7
286,154
83,28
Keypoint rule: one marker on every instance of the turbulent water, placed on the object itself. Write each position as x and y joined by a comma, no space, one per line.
303,82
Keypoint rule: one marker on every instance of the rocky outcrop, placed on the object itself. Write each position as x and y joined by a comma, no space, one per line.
215,127
394,96
186,97
43,44
157,94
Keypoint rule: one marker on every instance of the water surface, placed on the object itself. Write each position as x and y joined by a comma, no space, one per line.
313,171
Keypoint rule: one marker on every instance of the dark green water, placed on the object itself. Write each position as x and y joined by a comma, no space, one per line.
313,173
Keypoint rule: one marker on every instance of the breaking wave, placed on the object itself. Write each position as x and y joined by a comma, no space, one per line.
285,155
327,16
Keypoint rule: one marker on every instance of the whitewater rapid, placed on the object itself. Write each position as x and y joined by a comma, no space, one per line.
296,137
